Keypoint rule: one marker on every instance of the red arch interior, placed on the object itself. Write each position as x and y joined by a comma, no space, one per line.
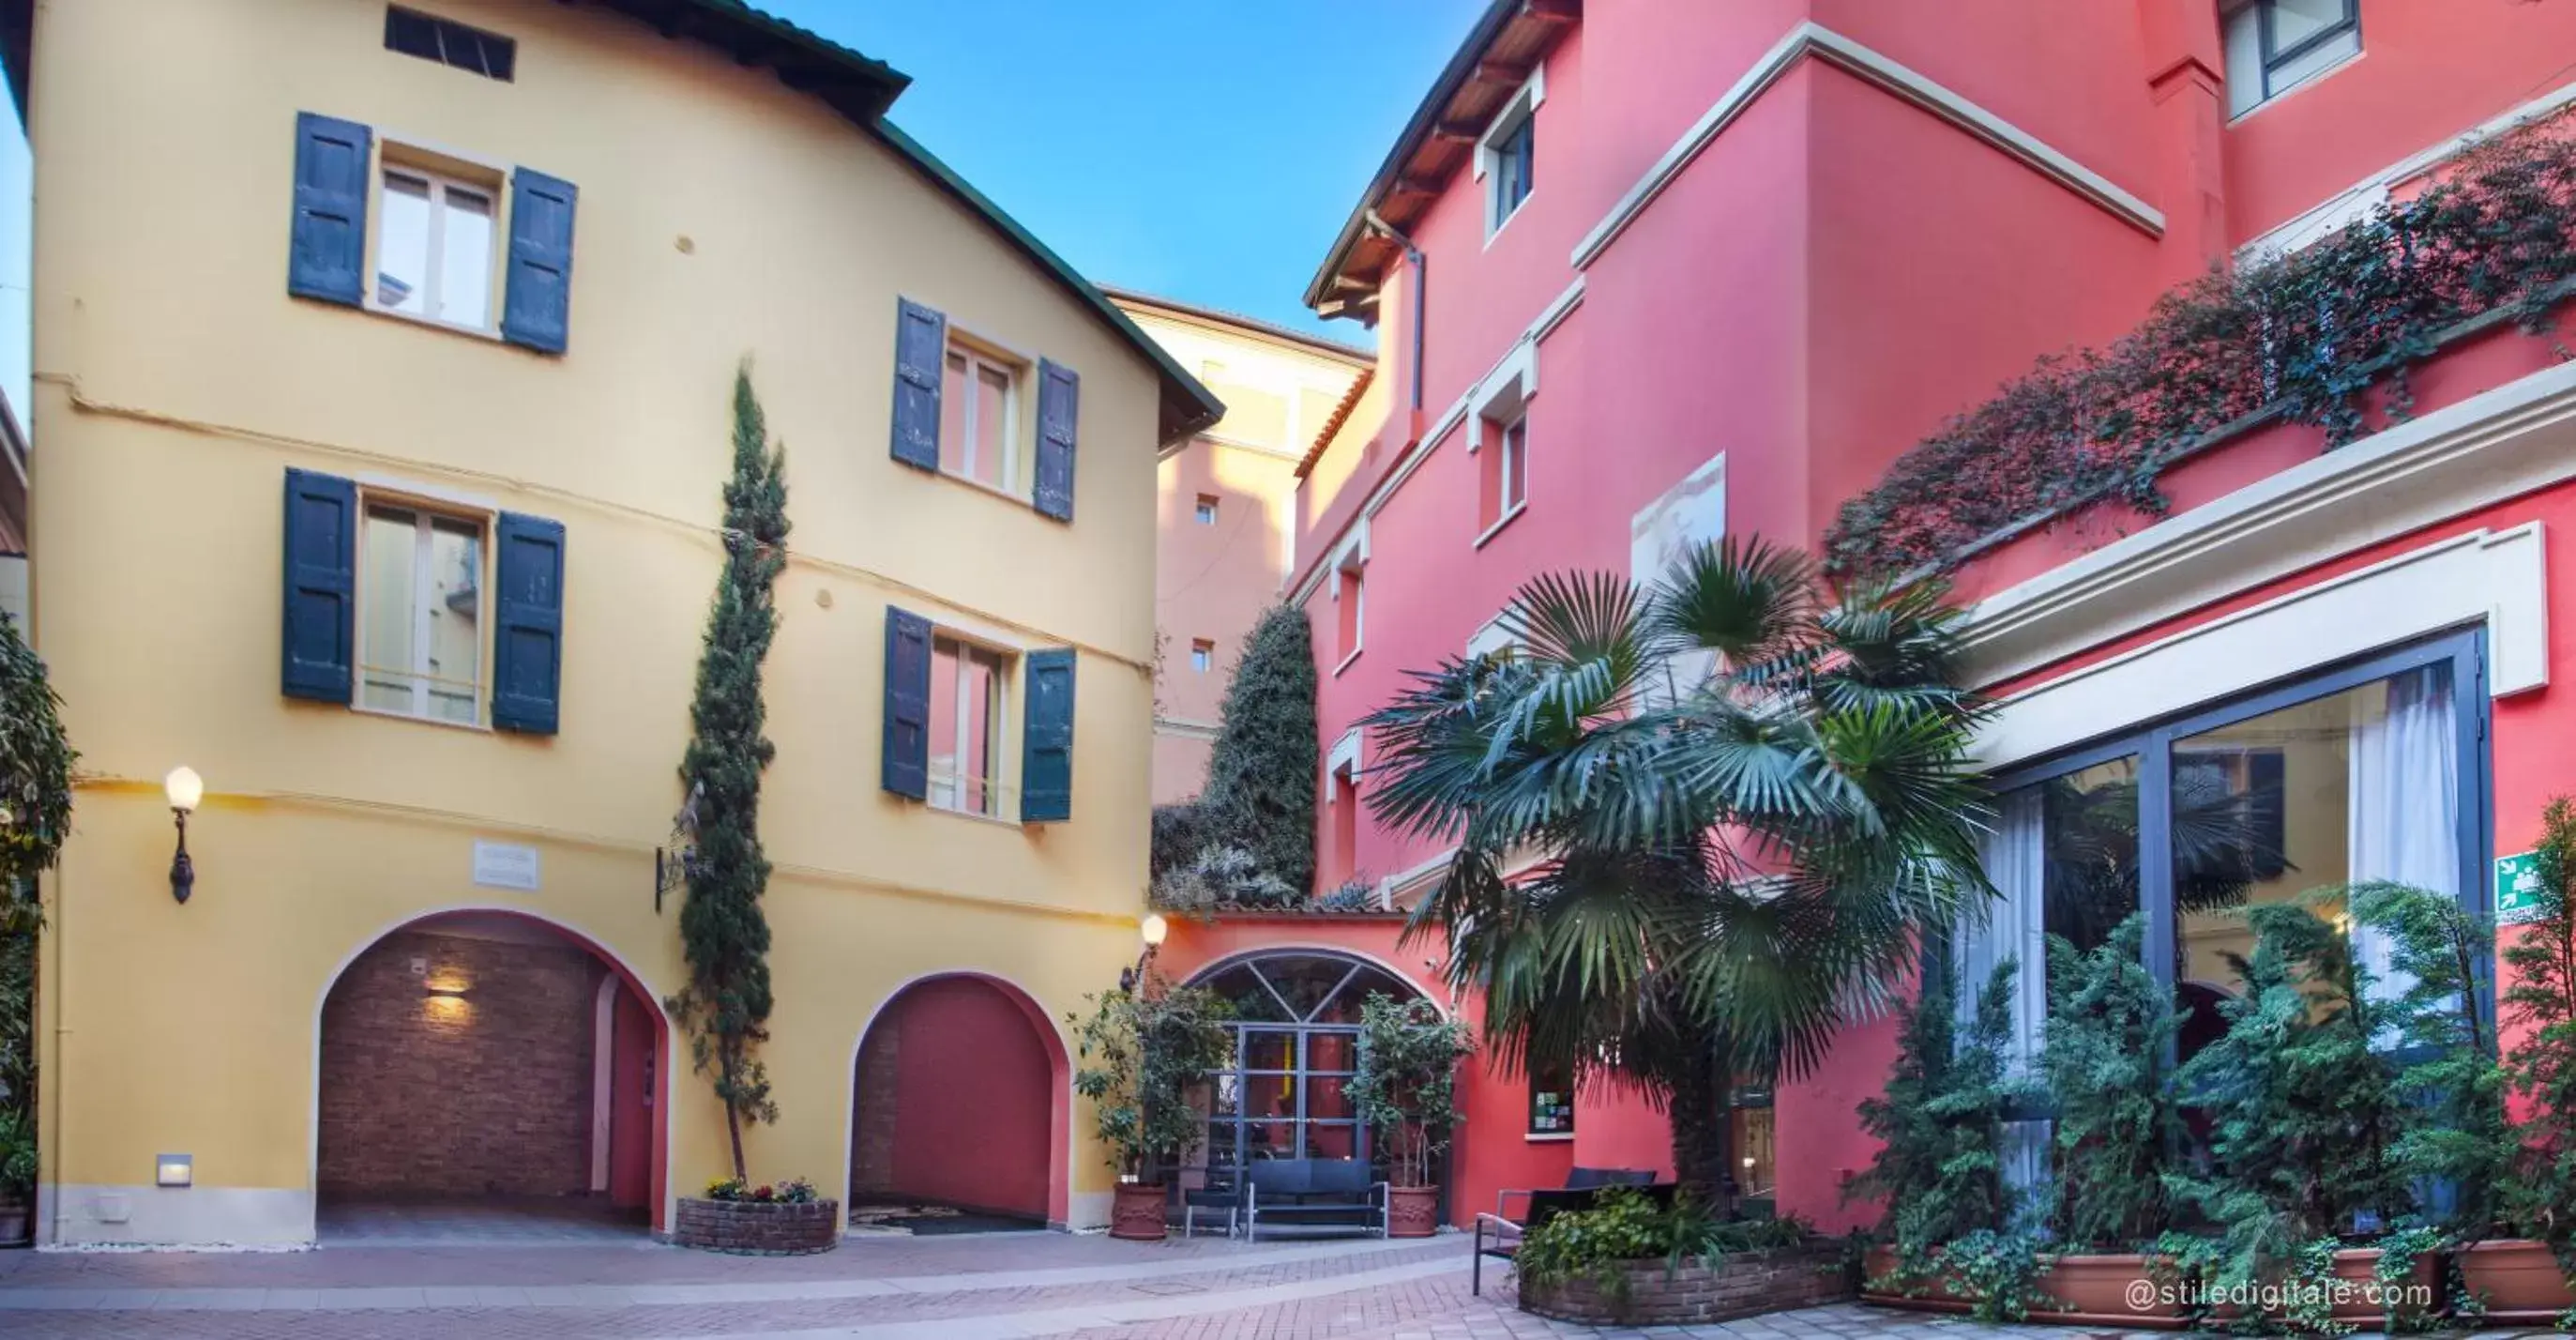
950,1083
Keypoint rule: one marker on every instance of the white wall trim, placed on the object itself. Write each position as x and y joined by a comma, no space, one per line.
197,1218
2355,202
1814,39
2495,445
1345,752
1539,328
2495,578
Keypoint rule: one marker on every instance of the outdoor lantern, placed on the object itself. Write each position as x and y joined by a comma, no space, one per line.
185,788
1154,928
1151,930
174,1169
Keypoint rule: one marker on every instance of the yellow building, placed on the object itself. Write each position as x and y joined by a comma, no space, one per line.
1228,506
383,363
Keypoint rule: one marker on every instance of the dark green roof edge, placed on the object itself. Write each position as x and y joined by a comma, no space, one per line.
1188,407
854,62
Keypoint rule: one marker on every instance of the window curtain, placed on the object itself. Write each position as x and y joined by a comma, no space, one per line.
2404,793
2015,856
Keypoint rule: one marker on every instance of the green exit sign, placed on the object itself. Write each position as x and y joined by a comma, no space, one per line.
2517,888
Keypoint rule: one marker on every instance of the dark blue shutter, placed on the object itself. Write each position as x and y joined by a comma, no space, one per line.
907,704
1059,405
920,364
321,562
527,604
329,251
1046,759
536,308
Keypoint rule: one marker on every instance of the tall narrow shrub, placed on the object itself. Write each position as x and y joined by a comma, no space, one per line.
726,1006
2450,1083
1260,792
2109,1027
1939,1125
2539,1195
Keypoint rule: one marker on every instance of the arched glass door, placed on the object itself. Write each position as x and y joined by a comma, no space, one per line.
1296,1026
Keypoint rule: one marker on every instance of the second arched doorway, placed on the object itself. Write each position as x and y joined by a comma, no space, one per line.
960,1110
1297,1014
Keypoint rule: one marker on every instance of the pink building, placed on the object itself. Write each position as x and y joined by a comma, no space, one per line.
1645,274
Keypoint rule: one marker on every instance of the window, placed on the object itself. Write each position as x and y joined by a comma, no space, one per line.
2274,46
979,416
1752,1139
966,683
450,43
1349,594
1202,655
1551,1104
1345,797
1507,155
420,650
1205,514
1296,1028
434,247
1503,475
2370,771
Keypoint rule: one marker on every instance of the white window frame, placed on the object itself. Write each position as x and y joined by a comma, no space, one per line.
1001,789
426,513
1522,108
1503,401
2261,61
397,157
1204,509
1202,655
979,357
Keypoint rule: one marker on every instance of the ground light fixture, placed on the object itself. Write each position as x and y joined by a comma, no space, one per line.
1151,930
184,788
174,1170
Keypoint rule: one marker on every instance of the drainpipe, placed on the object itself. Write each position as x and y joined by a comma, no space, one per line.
1421,282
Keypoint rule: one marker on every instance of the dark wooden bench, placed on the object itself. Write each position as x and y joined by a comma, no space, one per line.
1498,1235
1323,1192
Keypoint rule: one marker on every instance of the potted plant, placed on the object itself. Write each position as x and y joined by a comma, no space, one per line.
2304,1116
1143,1052
17,1178
1632,1260
1405,1087
2110,1028
2523,1278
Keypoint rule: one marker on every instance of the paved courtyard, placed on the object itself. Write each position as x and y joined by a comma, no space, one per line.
873,1288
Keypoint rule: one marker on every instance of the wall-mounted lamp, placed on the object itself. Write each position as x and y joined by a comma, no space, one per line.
185,788
1151,930
447,986
174,1170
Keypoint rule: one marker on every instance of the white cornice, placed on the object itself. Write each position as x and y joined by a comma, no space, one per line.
2496,445
1814,39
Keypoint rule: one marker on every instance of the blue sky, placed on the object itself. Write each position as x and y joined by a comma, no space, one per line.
1201,149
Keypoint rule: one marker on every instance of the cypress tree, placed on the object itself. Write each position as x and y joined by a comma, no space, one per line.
1260,792
726,1006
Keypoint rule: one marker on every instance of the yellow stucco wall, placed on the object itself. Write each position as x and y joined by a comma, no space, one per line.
722,215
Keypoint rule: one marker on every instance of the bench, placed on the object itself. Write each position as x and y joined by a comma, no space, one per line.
1498,1235
1330,1192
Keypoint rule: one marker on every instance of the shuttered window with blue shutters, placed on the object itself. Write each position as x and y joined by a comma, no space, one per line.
907,704
1059,406
920,358
1046,763
527,655
536,308
321,596
328,255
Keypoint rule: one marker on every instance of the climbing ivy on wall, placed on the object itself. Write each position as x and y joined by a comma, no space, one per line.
2301,337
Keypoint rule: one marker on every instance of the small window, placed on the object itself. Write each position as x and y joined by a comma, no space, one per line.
451,43
434,247
420,651
979,417
2274,46
1206,513
966,683
1551,1103
1202,655
1513,461
1351,595
1513,160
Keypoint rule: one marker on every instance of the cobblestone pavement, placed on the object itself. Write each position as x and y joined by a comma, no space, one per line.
998,1287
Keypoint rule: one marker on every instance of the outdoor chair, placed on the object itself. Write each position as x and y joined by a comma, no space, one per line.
1498,1235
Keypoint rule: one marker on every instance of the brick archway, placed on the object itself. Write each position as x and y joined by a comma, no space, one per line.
961,1095
485,1054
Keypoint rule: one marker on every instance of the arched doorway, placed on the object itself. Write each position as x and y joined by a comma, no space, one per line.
1297,1014
960,1111
487,1074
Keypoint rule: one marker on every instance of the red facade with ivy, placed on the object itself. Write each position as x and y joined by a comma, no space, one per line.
1644,274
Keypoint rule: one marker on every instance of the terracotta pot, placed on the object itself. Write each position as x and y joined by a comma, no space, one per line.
1924,1295
2520,1281
1136,1212
1412,1211
17,1223
2108,1290
2361,1304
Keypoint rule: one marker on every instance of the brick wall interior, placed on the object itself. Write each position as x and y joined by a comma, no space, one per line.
872,1123
484,1092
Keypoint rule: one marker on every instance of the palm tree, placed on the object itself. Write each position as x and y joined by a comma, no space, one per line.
1733,804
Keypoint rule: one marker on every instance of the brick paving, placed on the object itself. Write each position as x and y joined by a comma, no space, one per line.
999,1287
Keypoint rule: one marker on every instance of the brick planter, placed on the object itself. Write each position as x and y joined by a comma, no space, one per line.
757,1228
1743,1284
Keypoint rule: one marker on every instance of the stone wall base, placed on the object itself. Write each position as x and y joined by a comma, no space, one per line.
1742,1285
755,1228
